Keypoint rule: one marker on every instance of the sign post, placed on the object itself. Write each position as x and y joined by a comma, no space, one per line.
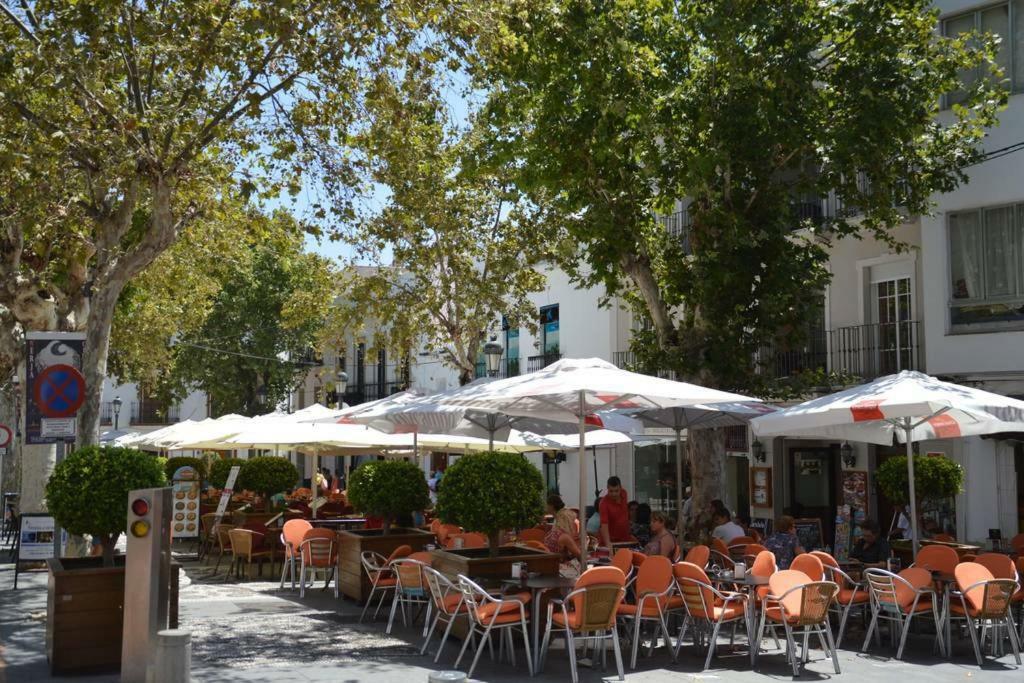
6,438
55,390
225,495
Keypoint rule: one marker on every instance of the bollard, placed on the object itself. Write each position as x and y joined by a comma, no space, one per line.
172,660
447,677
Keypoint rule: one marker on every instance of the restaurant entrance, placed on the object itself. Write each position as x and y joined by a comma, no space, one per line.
813,473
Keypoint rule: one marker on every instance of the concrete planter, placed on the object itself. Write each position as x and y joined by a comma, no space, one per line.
352,580
84,615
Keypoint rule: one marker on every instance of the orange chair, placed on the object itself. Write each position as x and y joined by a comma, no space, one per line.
318,551
1001,566
985,602
291,537
698,555
898,598
851,593
1017,543
623,560
706,605
447,604
488,613
801,607
471,539
638,558
740,540
737,547
940,558
532,535
588,612
444,531
810,565
653,587
410,588
381,574
751,551
720,555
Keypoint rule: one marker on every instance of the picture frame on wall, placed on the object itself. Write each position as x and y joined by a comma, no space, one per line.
761,486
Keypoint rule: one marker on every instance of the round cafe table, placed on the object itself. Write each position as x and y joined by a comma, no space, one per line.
538,585
750,583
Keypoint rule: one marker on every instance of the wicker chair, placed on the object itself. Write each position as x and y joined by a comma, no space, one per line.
587,613
223,543
243,548
801,607
984,602
898,598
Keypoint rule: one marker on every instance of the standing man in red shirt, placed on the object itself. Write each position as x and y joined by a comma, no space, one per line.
614,514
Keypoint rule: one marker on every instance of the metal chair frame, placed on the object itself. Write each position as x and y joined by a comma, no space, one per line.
885,607
844,610
376,567
997,593
600,630
407,593
639,617
726,597
316,554
441,588
476,598
810,622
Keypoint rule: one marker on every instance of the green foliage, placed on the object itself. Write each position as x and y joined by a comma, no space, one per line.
220,469
935,478
748,112
271,305
390,489
172,464
491,492
463,244
88,491
267,475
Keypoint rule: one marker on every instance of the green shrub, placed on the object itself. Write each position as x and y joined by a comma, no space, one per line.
267,475
491,492
173,464
88,491
388,489
219,471
935,478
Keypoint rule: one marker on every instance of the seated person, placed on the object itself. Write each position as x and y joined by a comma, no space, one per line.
870,549
724,528
784,542
560,541
564,518
641,526
594,521
614,512
663,541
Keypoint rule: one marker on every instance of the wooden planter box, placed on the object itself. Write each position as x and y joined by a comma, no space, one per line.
84,615
477,563
352,580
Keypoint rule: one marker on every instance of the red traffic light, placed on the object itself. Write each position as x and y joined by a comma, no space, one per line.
140,507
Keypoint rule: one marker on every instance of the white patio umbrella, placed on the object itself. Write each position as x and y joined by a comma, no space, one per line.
206,434
910,406
679,418
161,438
572,389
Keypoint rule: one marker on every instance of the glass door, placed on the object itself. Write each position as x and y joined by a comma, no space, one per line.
893,315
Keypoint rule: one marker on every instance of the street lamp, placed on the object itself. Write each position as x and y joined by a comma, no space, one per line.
341,384
261,394
846,453
492,354
116,405
757,450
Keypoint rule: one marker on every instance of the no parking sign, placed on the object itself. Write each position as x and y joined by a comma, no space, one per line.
54,384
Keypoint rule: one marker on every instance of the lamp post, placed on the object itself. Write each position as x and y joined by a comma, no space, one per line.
847,456
116,405
341,384
757,451
492,354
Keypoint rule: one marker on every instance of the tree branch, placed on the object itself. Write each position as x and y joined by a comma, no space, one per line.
19,23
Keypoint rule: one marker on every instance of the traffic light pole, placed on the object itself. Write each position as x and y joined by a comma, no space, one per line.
146,579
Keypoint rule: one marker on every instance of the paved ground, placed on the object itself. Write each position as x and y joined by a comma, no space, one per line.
253,633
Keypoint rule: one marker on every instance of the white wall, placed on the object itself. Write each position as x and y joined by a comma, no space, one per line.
192,407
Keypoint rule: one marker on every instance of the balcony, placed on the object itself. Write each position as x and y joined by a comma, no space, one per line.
627,360
372,391
509,367
862,352
535,363
153,412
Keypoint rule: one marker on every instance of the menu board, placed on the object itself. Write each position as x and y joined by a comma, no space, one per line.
185,494
35,541
808,530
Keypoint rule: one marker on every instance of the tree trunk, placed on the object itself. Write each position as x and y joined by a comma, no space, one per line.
639,271
386,525
109,542
493,543
707,469
94,358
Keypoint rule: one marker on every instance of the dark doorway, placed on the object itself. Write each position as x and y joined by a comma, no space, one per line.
812,486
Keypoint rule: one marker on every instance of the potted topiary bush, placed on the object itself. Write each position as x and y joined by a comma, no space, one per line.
267,475
88,494
174,464
389,489
935,478
219,471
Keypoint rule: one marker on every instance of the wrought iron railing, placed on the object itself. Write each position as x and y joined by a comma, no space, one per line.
150,411
508,367
106,413
535,363
372,391
627,360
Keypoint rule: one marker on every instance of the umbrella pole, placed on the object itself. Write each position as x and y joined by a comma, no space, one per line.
583,482
679,483
913,494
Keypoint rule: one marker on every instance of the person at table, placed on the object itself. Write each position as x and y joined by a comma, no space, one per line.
565,519
724,528
871,549
614,512
640,527
663,541
594,521
784,542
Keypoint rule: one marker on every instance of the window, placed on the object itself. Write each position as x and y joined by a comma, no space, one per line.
986,268
511,347
895,325
1005,20
549,330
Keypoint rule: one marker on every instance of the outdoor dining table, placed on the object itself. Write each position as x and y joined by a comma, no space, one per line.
749,582
538,585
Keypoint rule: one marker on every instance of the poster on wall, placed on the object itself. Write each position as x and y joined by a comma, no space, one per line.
185,492
852,511
54,386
